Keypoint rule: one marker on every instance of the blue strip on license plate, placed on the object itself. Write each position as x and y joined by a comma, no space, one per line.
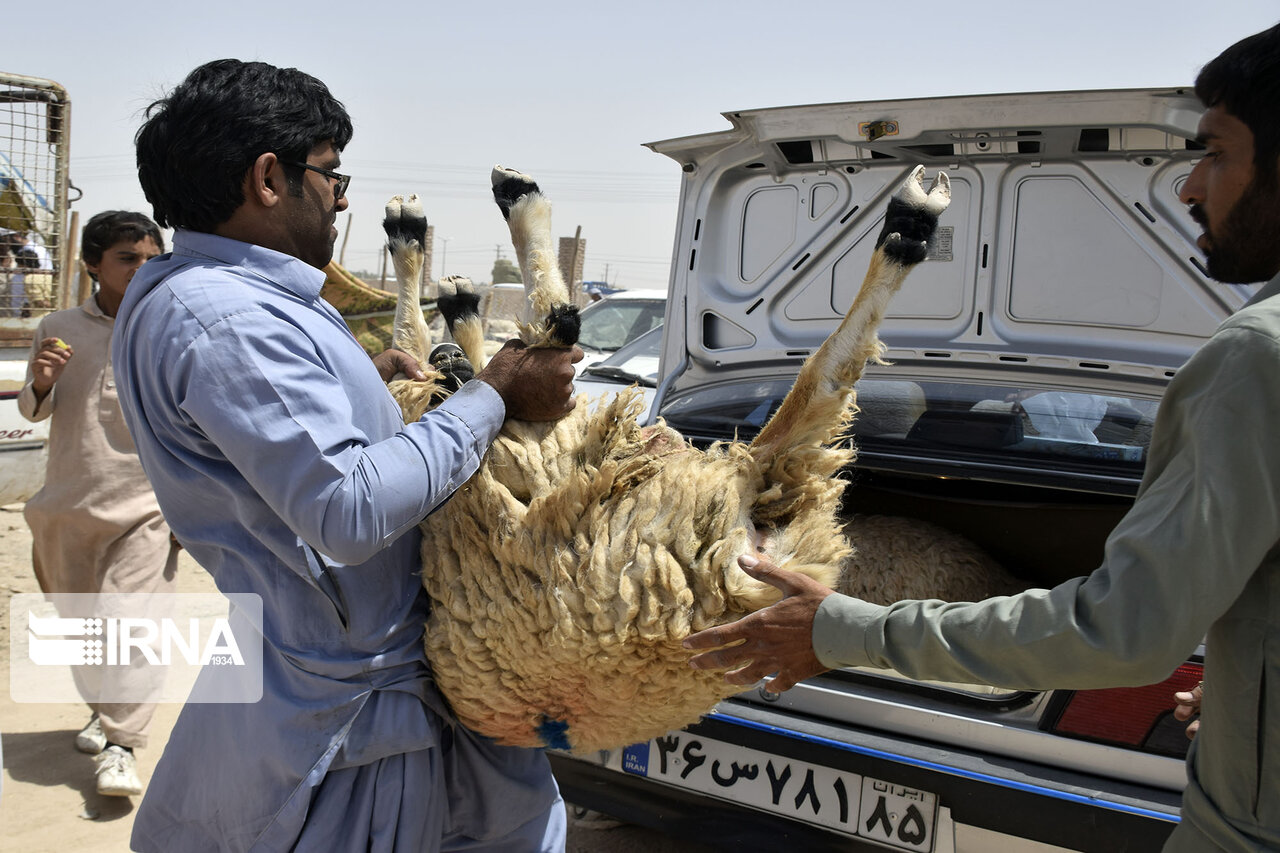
857,805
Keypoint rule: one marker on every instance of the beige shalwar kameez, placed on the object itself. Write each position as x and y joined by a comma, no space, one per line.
95,525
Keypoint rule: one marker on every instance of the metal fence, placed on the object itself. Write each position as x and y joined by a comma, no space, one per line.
35,118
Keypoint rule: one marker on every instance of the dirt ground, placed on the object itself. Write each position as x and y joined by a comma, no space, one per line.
48,801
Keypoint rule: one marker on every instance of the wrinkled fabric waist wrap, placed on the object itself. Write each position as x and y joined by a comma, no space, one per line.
388,722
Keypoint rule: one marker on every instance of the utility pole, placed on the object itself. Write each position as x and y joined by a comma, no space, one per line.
573,264
342,253
64,292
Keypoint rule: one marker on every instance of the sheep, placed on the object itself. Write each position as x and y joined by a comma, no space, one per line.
941,564
566,572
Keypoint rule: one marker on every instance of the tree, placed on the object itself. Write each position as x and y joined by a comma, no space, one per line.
505,272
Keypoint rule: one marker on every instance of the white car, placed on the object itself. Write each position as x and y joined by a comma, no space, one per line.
1025,360
23,445
617,319
634,364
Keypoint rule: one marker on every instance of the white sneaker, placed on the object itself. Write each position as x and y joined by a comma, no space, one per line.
117,772
91,738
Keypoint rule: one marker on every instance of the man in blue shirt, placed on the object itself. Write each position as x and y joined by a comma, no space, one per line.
282,465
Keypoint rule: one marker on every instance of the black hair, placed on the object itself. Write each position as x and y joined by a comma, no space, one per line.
27,258
1245,80
105,229
197,144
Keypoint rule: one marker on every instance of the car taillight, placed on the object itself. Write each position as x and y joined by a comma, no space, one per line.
1136,717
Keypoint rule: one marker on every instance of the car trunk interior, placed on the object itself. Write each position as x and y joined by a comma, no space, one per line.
1042,535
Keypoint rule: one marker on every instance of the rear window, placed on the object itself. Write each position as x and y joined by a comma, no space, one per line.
972,423
609,324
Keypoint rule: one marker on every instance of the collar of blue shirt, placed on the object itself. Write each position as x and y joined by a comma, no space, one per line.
295,276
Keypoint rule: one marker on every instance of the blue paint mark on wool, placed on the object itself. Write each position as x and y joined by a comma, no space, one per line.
554,733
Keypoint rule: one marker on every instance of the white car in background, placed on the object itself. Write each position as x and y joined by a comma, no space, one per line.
634,364
23,445
616,320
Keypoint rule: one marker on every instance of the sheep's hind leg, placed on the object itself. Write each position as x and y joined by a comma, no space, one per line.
406,228
549,318
459,304
817,406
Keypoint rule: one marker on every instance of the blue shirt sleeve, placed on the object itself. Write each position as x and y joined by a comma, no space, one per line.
262,395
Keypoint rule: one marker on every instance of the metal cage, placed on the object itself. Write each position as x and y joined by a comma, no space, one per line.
35,119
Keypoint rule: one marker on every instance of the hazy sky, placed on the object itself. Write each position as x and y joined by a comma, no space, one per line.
439,92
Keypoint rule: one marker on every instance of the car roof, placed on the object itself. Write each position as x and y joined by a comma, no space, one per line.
639,293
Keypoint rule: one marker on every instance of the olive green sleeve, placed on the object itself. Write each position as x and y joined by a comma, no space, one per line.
1206,515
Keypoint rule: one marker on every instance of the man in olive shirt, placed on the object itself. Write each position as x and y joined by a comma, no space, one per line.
1198,554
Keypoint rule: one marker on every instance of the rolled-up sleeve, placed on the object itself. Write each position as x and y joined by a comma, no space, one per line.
263,396
1204,520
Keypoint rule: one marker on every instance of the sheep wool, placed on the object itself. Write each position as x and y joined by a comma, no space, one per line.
566,572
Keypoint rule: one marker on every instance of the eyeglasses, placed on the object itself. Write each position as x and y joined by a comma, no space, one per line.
339,189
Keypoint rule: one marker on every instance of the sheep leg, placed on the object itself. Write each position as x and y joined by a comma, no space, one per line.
459,304
818,405
549,319
406,227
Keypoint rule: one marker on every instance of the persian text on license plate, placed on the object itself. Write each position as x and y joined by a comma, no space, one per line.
851,803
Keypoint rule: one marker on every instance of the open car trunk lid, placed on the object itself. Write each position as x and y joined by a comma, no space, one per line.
1064,255
1026,356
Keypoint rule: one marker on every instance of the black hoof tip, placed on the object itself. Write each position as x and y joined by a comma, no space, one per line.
406,229
564,324
510,190
906,232
458,306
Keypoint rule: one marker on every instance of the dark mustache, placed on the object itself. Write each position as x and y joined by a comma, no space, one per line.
1197,213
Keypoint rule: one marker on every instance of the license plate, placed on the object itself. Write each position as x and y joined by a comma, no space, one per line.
870,809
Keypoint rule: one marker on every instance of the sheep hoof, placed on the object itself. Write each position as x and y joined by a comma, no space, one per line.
458,300
405,223
913,217
939,195
564,325
509,186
